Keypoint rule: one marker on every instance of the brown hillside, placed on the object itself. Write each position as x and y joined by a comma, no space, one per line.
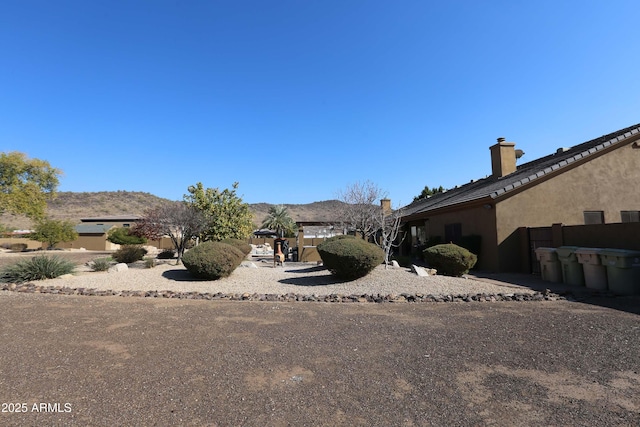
73,206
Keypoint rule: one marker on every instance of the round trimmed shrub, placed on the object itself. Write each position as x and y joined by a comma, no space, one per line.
450,259
129,253
349,258
212,260
244,247
167,254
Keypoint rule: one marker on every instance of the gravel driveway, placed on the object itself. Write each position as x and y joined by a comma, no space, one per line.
77,361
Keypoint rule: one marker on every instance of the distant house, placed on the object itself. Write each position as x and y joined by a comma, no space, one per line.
593,182
115,221
93,232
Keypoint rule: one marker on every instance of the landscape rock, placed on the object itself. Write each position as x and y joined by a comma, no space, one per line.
118,268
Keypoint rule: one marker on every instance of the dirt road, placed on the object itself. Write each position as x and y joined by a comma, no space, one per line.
109,361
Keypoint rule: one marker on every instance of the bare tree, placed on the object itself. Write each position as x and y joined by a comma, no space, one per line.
361,210
177,220
388,236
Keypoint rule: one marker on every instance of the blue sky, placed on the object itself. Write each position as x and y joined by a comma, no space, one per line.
296,100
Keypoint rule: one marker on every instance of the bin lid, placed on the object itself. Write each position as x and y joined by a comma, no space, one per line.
620,253
565,251
545,250
589,251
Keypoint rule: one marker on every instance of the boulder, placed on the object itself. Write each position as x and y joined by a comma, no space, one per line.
118,268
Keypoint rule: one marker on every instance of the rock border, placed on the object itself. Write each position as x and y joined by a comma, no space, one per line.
291,297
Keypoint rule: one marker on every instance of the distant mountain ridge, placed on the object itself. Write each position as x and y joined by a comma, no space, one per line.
73,206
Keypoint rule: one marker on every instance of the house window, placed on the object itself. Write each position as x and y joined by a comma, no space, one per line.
452,232
593,217
630,216
125,225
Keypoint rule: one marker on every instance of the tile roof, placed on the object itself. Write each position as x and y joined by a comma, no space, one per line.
92,229
527,172
114,218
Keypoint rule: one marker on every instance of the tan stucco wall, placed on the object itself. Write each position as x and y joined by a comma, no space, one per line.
475,220
606,183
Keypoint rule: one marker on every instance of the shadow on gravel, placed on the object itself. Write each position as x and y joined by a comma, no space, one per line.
326,279
180,276
307,270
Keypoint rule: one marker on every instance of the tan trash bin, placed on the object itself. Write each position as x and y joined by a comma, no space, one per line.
623,270
595,274
549,264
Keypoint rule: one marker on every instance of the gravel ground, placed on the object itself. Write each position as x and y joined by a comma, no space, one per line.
297,278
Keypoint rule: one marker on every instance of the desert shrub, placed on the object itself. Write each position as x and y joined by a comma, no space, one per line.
129,253
350,258
18,247
338,237
123,236
450,259
212,260
149,262
244,247
100,264
167,254
37,268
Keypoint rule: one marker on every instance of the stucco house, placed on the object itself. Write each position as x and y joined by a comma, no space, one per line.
594,182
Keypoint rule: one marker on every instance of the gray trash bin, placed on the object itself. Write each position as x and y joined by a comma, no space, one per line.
595,274
549,264
623,270
572,271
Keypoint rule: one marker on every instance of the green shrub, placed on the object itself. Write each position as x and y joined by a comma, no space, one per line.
129,253
39,267
450,259
100,264
149,262
18,247
337,237
349,258
123,236
212,260
244,247
167,254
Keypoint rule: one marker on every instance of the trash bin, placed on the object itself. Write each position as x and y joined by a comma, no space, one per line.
294,254
572,271
623,270
595,274
549,264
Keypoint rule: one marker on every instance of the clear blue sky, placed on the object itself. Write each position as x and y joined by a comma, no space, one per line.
298,99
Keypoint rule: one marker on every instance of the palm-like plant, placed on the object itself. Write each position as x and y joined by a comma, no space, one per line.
279,220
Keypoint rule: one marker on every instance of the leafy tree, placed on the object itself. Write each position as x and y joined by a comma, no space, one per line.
427,192
278,219
26,184
178,220
52,232
124,236
227,216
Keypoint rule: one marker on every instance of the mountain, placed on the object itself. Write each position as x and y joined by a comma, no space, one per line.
73,206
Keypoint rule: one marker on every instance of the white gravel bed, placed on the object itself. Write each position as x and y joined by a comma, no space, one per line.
297,278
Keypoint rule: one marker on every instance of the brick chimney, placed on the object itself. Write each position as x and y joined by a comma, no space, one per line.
503,158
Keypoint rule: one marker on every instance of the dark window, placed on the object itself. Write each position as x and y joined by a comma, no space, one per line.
630,216
125,225
594,217
452,233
